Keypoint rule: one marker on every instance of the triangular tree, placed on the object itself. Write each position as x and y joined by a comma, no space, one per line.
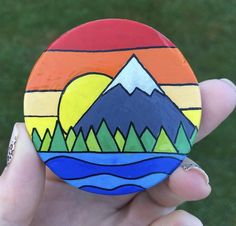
36,139
80,145
163,143
193,137
148,140
120,140
133,143
46,141
182,142
58,140
70,139
92,142
105,139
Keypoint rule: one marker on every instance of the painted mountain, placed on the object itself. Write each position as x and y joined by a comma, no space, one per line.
134,99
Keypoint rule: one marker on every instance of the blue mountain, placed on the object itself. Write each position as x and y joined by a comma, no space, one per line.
134,97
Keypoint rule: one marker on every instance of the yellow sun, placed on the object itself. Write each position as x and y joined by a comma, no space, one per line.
78,96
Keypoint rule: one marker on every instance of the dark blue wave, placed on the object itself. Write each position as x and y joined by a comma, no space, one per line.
124,189
106,181
70,168
102,164
105,158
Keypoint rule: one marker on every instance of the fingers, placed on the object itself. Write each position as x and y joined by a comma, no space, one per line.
187,183
218,101
178,218
22,182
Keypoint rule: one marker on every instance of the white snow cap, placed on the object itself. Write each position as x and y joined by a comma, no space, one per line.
132,76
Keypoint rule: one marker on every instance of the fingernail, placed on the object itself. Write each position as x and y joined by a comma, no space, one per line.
12,145
229,82
190,165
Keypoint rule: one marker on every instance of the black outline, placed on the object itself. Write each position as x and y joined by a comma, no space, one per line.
110,174
40,116
190,108
112,189
111,50
118,165
178,84
96,152
43,91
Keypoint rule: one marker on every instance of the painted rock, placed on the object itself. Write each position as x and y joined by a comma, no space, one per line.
112,107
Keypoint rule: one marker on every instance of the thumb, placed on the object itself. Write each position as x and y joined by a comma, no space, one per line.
22,182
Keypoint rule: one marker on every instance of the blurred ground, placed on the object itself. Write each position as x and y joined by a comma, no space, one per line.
205,31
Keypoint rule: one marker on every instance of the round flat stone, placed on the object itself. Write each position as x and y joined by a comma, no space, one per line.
112,107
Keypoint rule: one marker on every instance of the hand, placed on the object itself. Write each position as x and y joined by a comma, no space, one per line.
32,195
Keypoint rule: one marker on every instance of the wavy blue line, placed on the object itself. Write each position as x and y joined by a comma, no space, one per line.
67,168
109,174
121,190
110,182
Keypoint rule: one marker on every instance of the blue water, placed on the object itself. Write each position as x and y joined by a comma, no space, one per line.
112,174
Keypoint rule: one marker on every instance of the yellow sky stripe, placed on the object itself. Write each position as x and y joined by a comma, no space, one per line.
184,96
46,103
41,124
41,103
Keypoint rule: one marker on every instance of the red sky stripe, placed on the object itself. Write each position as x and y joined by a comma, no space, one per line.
110,34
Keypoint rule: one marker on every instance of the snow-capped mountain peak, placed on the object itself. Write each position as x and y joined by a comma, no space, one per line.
133,75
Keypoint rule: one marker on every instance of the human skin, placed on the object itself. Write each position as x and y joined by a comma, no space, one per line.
30,194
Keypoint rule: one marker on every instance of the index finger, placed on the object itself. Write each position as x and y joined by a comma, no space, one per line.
218,102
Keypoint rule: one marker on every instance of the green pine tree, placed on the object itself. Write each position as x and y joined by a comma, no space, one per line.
46,141
105,139
193,137
92,142
148,140
182,142
58,140
163,143
120,140
36,139
133,143
80,145
70,139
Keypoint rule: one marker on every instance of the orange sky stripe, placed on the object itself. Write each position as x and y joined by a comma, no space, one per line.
55,69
